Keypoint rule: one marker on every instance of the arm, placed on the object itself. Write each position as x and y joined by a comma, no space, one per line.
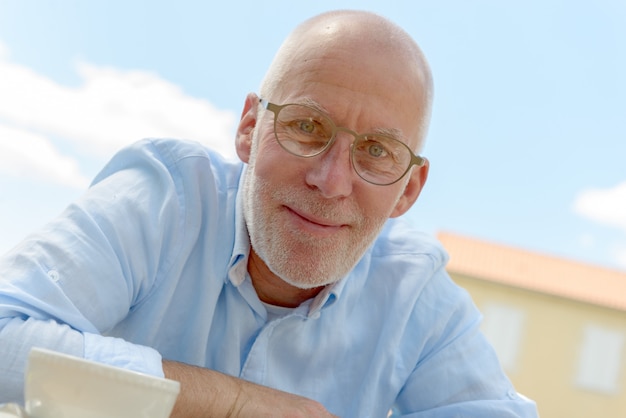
207,393
64,286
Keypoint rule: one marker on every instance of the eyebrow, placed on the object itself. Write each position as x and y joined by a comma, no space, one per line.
307,101
394,133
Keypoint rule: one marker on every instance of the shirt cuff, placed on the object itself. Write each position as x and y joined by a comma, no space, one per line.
120,353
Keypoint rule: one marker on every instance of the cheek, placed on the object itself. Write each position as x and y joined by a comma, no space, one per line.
272,163
378,201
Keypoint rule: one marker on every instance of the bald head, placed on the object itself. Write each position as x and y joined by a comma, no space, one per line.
368,40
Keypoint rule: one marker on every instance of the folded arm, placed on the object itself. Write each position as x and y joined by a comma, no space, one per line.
64,286
207,393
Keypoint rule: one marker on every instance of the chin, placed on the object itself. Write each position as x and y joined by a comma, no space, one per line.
304,275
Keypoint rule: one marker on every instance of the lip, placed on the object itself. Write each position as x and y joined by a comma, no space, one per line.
312,223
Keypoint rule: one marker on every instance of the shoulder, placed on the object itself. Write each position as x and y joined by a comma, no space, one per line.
404,275
182,160
176,151
400,240
410,265
407,272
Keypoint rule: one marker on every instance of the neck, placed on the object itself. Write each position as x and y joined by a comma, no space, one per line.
272,289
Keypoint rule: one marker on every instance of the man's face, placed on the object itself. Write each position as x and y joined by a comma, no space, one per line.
305,238
311,219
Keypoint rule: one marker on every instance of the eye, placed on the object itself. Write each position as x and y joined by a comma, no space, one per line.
376,150
307,126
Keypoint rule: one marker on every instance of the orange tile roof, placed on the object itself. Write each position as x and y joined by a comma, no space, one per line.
534,271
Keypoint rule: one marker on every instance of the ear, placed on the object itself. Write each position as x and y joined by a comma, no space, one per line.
243,139
411,190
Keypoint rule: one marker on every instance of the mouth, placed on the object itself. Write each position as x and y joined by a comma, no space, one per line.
313,224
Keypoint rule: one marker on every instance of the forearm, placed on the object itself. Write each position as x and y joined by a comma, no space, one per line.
204,393
209,394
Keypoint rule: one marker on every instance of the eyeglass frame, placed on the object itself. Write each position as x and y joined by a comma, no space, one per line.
416,160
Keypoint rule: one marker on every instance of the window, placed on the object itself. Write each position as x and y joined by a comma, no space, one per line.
599,363
503,326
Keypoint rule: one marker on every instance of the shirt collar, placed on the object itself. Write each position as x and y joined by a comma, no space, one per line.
238,265
327,296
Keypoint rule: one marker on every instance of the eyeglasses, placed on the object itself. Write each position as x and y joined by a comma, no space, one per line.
304,131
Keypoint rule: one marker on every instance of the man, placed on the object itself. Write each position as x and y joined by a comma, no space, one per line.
278,289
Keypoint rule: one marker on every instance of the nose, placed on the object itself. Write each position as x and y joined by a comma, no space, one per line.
331,172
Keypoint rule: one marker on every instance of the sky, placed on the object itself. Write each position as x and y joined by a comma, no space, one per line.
526,144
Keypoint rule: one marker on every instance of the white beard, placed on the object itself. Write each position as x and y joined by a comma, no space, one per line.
302,260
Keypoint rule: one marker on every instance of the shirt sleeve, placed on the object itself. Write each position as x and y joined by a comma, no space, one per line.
458,373
65,286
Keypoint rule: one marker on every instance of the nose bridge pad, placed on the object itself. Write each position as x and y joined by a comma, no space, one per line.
355,138
334,173
351,133
348,131
336,143
333,158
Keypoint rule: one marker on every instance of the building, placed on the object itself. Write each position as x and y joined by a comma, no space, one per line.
559,326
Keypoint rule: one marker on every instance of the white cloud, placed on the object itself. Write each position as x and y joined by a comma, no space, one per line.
605,206
110,108
29,155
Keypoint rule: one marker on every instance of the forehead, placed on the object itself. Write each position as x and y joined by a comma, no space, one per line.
358,87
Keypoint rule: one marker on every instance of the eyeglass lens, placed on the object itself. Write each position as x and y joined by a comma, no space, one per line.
304,131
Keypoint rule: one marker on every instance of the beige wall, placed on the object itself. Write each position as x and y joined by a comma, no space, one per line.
548,357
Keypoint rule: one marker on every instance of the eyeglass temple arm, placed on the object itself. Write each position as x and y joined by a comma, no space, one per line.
417,160
269,106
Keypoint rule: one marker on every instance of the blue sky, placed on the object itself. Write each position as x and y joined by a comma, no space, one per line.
526,144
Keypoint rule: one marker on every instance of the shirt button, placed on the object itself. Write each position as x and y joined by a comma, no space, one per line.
53,275
315,315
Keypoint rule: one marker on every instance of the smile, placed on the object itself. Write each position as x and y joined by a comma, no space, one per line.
313,224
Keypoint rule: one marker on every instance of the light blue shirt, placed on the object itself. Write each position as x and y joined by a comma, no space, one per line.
151,263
